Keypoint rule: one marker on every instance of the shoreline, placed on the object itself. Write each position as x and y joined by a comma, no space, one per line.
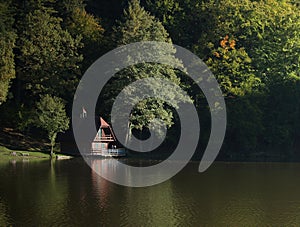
7,154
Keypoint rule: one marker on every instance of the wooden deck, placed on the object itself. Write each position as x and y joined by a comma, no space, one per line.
104,139
118,152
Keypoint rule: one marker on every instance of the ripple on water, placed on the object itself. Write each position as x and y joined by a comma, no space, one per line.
4,217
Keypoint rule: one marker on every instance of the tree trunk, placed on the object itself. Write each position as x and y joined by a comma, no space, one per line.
52,140
128,136
51,152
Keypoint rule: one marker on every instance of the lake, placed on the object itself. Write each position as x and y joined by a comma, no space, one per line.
69,193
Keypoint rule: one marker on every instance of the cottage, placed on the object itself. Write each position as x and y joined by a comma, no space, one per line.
104,143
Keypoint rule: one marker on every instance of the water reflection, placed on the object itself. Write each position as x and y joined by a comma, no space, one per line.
132,206
4,217
69,193
129,172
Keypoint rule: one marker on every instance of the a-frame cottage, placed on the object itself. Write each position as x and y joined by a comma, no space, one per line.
104,143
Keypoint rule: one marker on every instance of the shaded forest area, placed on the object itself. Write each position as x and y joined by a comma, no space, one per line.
252,47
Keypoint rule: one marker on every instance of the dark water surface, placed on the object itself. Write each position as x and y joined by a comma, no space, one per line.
68,193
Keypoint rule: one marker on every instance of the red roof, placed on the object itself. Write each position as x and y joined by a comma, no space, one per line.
103,123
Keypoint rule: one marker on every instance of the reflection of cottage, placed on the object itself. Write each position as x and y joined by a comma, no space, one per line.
104,143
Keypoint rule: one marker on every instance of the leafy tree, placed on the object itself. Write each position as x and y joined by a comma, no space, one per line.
52,117
89,27
232,67
267,48
252,47
109,11
166,11
7,43
245,126
48,60
180,18
275,52
268,30
139,25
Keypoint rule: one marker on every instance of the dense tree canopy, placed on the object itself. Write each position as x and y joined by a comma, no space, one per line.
49,58
139,25
7,43
78,22
252,47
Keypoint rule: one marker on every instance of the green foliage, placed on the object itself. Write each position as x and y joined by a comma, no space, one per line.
268,30
165,10
77,21
86,25
48,60
109,11
7,43
278,55
6,155
232,67
252,47
52,117
245,130
176,16
139,25
66,7
263,67
281,113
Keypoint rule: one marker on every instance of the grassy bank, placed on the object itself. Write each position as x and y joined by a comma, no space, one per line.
15,145
8,154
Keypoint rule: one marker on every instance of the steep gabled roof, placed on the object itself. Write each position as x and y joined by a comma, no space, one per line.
103,123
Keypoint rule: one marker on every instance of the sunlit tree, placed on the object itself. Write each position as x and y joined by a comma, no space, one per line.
138,25
51,116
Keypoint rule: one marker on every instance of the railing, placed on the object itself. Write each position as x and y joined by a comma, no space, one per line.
108,152
119,151
104,138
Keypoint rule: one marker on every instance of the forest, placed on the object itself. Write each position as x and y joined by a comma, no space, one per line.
251,46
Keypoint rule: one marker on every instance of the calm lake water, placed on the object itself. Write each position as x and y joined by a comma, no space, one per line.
69,193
